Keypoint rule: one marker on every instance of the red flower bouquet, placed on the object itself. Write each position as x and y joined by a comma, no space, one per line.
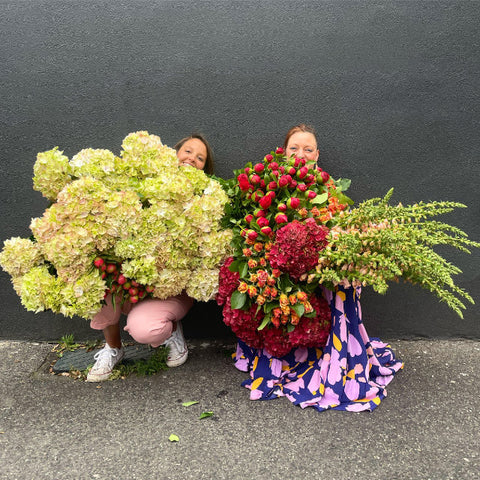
281,210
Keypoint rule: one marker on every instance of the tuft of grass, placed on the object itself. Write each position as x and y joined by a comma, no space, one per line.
154,364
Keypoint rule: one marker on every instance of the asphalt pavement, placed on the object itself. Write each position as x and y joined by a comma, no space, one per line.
56,427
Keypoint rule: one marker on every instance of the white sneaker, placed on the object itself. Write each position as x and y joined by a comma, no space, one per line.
105,360
178,352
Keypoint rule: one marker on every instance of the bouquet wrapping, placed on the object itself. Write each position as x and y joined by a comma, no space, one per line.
134,225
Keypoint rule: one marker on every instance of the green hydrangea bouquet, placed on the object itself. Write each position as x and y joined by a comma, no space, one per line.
134,221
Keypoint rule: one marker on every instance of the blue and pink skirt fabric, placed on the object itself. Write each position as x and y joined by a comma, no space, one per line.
350,372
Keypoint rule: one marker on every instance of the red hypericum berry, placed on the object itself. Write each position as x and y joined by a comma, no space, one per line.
279,151
293,183
98,262
259,212
282,207
292,171
127,285
134,299
252,235
104,275
248,218
268,158
111,267
301,187
281,218
266,231
325,176
271,194
135,284
310,178
149,288
133,291
121,279
259,167
272,186
311,194
282,169
247,170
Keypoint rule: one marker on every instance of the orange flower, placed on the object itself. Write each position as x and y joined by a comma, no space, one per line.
252,291
258,247
243,287
292,299
252,263
261,300
247,252
302,296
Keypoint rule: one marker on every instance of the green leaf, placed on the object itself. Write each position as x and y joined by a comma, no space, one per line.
238,300
299,309
234,266
189,404
264,323
173,438
206,415
320,198
243,269
343,184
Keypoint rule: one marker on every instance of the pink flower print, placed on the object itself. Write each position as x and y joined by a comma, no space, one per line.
295,386
276,367
324,367
329,399
301,354
315,381
255,395
358,407
353,346
335,371
343,328
352,389
358,368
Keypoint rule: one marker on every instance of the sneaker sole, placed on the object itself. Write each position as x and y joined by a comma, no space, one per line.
98,378
178,361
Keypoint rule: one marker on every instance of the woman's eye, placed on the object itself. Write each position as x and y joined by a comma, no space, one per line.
293,148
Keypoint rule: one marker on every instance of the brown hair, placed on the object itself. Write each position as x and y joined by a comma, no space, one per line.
301,127
208,168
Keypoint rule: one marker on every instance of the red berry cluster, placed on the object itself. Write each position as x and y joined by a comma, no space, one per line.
118,284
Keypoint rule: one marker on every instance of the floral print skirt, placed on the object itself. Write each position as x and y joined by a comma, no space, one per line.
349,373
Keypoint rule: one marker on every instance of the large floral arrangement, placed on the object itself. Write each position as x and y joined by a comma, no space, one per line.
133,225
295,234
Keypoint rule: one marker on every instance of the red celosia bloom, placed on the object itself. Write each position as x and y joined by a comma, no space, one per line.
297,246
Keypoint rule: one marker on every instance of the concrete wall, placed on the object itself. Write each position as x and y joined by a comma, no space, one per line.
392,87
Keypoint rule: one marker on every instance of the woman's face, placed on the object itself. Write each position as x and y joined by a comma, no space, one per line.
193,152
302,145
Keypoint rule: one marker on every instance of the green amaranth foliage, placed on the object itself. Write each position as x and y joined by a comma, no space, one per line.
376,242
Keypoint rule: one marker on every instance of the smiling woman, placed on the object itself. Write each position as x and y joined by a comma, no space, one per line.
195,151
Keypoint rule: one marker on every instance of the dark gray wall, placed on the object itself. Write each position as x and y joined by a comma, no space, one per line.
392,87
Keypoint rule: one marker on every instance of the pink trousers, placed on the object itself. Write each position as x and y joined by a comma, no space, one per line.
149,321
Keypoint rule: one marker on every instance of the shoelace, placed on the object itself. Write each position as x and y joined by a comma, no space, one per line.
176,342
104,357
